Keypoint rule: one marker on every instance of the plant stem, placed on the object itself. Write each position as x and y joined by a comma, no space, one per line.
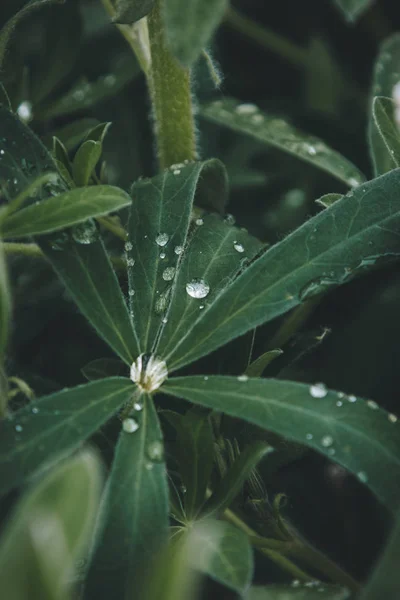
169,86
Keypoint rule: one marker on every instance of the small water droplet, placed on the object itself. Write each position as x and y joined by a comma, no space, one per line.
257,119
162,255
327,441
246,109
372,404
197,288
130,425
130,262
339,403
238,247
35,410
168,274
206,378
199,222
164,320
138,405
128,246
243,378
229,219
2,152
201,306
162,239
85,233
309,436
318,390
78,95
311,151
178,250
177,172
18,428
352,398
392,418
155,451
331,451
131,293
362,476
110,80
24,111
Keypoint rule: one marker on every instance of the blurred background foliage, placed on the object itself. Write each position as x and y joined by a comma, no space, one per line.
299,60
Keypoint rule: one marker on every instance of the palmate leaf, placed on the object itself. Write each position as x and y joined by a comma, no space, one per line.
298,592
65,210
352,9
385,77
352,432
134,521
249,120
50,530
53,426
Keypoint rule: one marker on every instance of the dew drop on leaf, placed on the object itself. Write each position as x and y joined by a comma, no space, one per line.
130,262
128,246
178,250
155,451
309,436
130,425
35,410
168,274
318,390
362,476
18,428
199,222
238,247
162,239
246,109
229,219
352,398
24,111
85,233
327,441
372,404
392,418
197,288
243,378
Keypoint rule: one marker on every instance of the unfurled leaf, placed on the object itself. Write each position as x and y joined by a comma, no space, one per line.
354,235
74,133
389,131
104,367
235,478
190,25
350,431
249,120
130,11
134,520
53,426
298,591
385,77
65,210
85,161
385,579
353,9
258,366
49,530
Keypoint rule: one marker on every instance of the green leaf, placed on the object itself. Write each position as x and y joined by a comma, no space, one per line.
46,429
385,77
83,265
4,99
99,132
104,367
7,30
222,552
59,212
85,161
229,487
249,120
5,308
74,133
195,451
49,531
353,9
258,366
383,115
158,233
356,434
60,153
385,579
190,25
341,242
130,11
328,199
134,520
299,591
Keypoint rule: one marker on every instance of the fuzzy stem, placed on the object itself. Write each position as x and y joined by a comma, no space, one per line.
169,85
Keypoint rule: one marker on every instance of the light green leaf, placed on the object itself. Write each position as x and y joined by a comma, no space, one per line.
258,366
328,199
51,427
130,11
190,25
386,75
343,241
134,520
83,265
235,478
74,133
356,434
85,161
49,530
65,210
60,153
158,235
5,308
7,30
299,591
385,579
249,120
104,367
383,115
353,9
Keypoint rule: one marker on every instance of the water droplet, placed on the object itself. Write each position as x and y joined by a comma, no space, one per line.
183,488
130,425
206,378
110,80
130,262
162,239
352,398
331,451
372,405
128,246
246,109
318,390
229,219
162,255
168,274
78,95
243,378
177,172
197,288
138,405
201,306
392,418
35,410
309,436
18,428
362,476
155,451
238,247
257,119
131,293
85,233
149,465
311,150
295,583
164,320
2,152
339,403
161,303
178,250
327,441
24,111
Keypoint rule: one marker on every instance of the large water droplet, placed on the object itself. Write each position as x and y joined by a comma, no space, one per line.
197,288
168,274
130,425
238,247
85,233
318,390
24,111
162,239
155,451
